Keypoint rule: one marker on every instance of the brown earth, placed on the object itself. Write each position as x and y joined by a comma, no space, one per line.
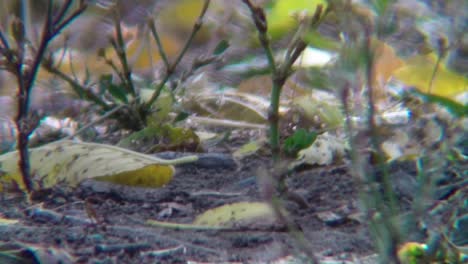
104,223
122,212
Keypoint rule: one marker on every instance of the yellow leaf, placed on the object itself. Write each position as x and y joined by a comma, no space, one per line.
151,176
320,106
418,73
233,214
71,163
232,106
248,149
412,253
6,221
179,17
281,18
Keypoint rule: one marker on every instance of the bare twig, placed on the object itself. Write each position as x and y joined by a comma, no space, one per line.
388,194
119,46
171,67
155,34
100,119
77,87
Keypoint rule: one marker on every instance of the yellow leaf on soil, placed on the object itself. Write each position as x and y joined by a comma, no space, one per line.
71,163
418,73
151,176
6,221
248,149
234,214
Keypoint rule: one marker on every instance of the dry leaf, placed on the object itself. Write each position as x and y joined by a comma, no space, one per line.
418,73
235,215
325,149
71,163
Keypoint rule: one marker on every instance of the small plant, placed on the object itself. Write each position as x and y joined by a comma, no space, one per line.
125,102
22,58
281,71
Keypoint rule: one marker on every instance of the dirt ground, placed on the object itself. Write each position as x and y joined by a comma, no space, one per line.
123,212
104,223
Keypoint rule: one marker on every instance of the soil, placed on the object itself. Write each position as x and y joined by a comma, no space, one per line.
100,222
121,213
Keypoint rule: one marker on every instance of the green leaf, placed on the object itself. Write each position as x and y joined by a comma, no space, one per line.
316,40
222,46
181,116
117,91
380,6
301,139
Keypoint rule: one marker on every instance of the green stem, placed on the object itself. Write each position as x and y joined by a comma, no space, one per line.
119,48
78,88
161,50
391,235
273,117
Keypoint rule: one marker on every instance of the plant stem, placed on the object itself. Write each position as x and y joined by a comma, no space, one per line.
78,88
155,34
119,47
279,73
392,234
171,69
26,72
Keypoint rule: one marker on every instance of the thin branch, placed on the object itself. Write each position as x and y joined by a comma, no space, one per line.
26,74
196,27
77,87
61,13
66,21
170,70
100,119
155,34
115,69
119,46
4,40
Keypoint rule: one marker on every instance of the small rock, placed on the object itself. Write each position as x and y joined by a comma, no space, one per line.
330,218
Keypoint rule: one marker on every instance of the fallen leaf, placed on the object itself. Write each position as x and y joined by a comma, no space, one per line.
230,106
418,72
248,149
325,149
230,215
71,162
6,221
235,215
321,109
